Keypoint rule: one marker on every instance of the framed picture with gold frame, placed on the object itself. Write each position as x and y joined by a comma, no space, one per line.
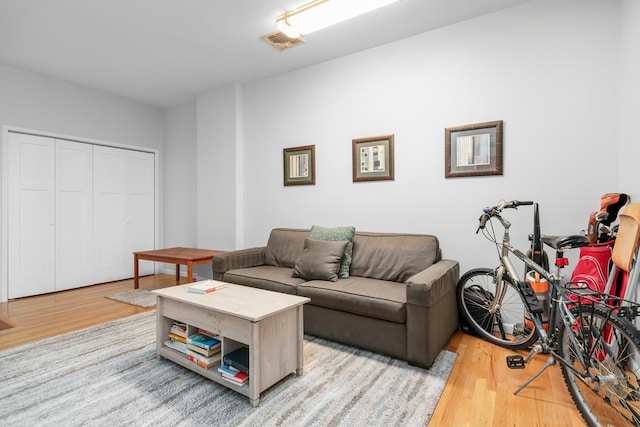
373,158
299,165
473,150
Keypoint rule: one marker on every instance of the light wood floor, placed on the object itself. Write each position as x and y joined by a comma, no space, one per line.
53,314
479,391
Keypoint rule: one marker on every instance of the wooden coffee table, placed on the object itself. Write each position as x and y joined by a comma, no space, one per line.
177,256
269,323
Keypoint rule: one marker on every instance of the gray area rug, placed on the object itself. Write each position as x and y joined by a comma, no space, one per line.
140,297
109,375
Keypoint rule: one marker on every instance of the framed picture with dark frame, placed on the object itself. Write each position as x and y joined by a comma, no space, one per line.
299,165
373,158
473,150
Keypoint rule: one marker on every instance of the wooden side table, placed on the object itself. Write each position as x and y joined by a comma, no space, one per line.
177,256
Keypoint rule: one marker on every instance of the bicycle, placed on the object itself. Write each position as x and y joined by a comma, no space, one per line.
589,334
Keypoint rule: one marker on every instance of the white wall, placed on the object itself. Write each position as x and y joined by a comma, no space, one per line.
32,101
180,163
547,69
218,136
629,90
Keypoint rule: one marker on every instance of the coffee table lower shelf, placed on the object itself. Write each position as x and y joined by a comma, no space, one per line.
269,323
211,373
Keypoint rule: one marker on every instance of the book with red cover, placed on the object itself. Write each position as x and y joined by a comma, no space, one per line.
202,361
206,286
204,352
239,378
231,374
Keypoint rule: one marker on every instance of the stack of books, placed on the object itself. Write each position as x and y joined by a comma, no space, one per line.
235,367
177,337
233,375
203,348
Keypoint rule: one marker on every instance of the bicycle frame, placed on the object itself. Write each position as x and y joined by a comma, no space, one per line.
506,265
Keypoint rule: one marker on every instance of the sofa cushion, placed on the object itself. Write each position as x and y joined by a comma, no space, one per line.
321,260
284,247
267,277
359,295
394,257
337,233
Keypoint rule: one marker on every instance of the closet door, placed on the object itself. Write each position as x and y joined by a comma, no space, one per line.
74,214
124,210
109,213
31,215
139,208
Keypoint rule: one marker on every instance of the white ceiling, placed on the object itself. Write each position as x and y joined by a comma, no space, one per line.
164,52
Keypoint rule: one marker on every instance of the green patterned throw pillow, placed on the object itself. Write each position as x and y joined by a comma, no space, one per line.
337,233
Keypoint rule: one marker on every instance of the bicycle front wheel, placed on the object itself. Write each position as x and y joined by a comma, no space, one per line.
604,352
495,311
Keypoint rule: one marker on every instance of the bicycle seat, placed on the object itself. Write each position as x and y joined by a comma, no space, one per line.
562,243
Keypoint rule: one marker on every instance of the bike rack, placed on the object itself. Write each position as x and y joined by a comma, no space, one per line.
582,296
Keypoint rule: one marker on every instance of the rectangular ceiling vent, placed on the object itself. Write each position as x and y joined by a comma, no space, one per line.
281,41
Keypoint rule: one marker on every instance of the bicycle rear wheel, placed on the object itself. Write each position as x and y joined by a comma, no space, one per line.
604,351
503,322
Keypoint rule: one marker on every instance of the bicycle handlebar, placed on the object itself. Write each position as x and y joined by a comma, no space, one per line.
489,212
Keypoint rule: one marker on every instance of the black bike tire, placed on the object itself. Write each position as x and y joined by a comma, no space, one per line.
525,341
604,405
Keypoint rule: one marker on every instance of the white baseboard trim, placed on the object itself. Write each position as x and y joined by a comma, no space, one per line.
171,270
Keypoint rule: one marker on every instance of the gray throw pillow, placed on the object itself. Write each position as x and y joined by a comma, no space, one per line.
320,260
337,233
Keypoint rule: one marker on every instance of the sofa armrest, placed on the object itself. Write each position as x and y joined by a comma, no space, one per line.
430,285
242,258
432,311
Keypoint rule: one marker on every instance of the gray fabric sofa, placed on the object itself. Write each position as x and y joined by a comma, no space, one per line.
398,300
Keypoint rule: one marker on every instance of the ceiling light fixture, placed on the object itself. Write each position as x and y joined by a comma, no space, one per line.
323,13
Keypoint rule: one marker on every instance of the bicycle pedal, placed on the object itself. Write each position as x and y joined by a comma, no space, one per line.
515,362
